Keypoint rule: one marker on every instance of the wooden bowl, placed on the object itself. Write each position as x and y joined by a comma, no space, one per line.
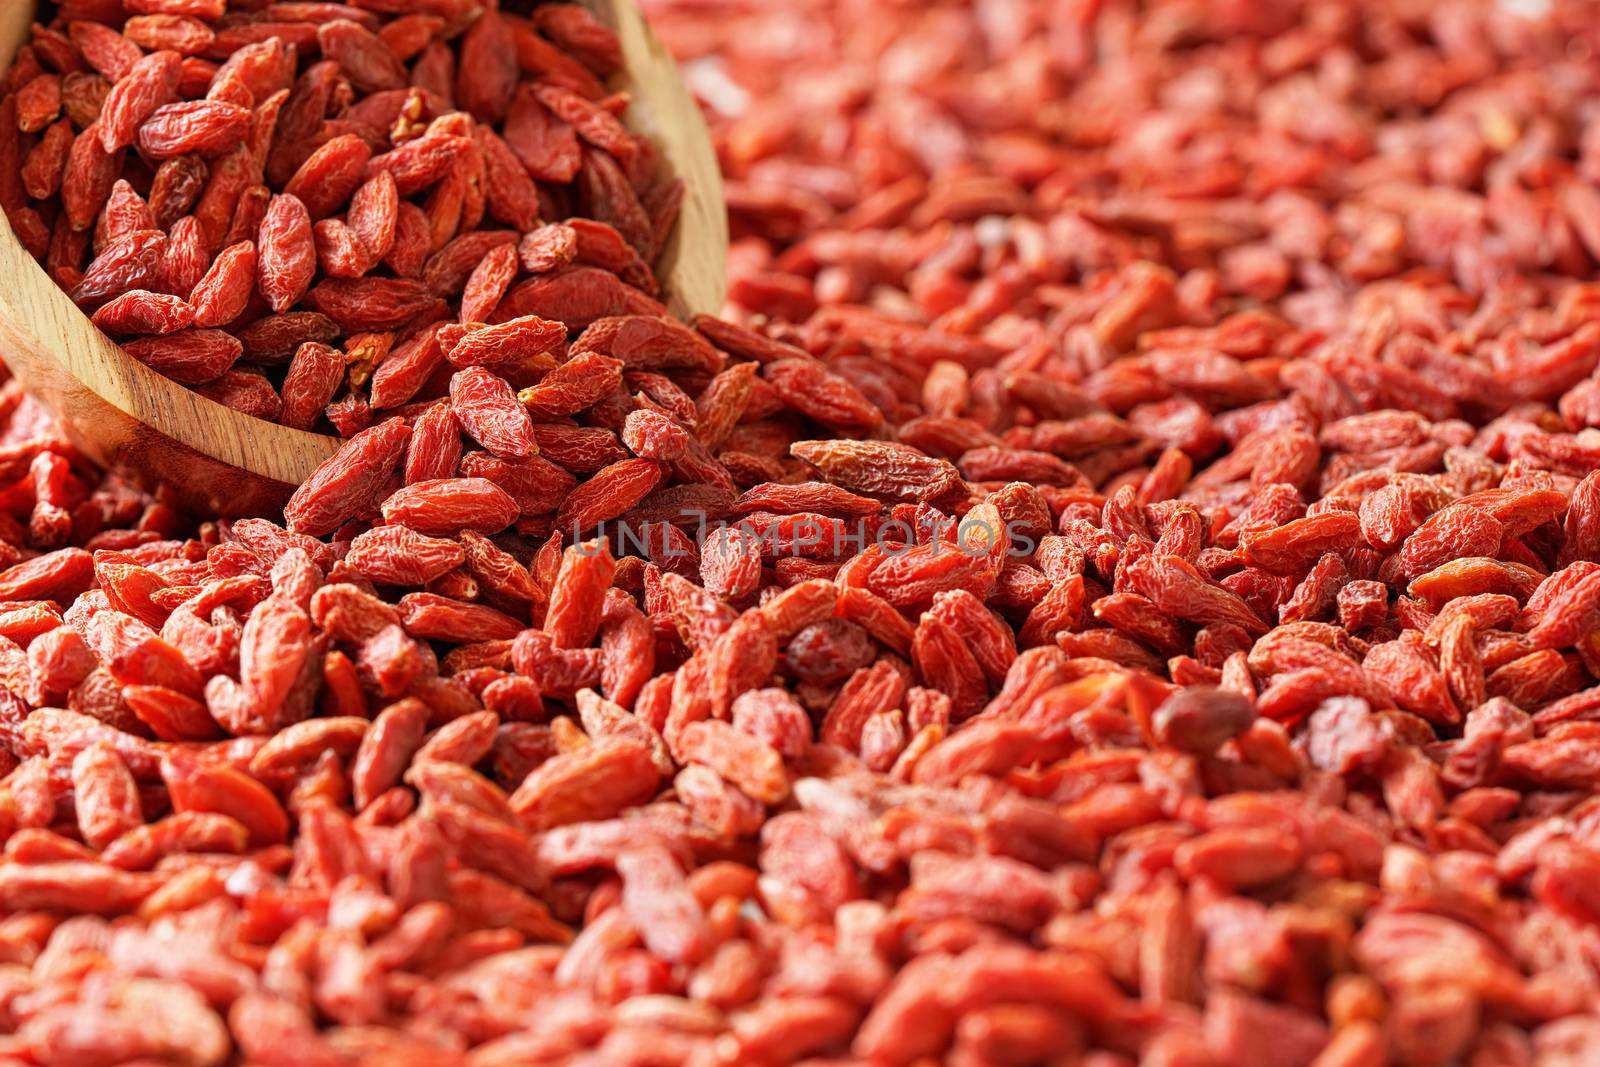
221,462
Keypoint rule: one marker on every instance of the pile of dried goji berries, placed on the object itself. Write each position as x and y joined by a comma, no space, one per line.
1121,590
288,205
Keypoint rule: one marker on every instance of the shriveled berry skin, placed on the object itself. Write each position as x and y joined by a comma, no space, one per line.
450,505
1119,585
487,410
386,184
828,651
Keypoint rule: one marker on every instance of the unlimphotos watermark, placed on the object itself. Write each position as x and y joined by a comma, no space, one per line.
808,535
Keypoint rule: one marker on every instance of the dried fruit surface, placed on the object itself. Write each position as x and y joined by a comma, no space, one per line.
1120,587
375,164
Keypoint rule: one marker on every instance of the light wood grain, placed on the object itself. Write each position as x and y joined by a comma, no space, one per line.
221,462
693,263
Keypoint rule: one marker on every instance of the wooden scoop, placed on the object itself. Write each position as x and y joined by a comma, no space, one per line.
221,462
